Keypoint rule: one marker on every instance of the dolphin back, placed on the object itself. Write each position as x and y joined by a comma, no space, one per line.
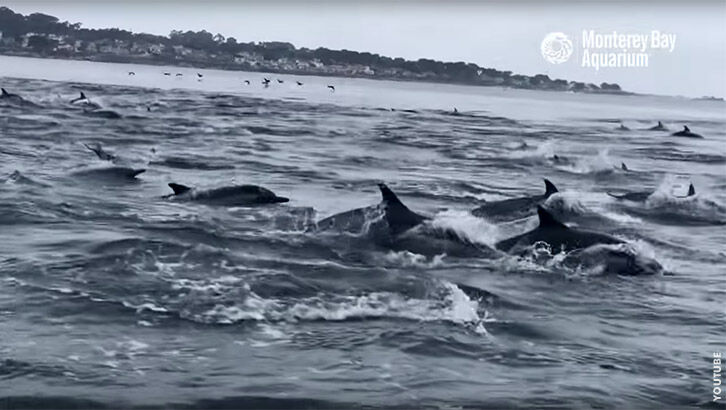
239,195
556,234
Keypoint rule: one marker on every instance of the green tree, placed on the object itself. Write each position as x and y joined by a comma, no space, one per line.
42,44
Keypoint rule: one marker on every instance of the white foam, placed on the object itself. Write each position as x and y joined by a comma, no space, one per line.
588,165
543,150
132,346
453,306
410,259
622,218
467,226
143,306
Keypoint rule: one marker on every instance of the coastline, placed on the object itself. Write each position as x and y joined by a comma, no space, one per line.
117,59
491,91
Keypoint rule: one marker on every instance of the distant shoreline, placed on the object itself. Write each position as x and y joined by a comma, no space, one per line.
42,36
112,58
144,62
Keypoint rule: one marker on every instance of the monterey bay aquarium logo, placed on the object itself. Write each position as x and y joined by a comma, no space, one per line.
556,48
608,50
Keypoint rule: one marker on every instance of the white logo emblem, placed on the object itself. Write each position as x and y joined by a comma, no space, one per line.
556,48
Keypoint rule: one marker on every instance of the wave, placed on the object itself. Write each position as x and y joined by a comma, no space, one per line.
601,164
192,163
448,303
467,226
629,259
667,205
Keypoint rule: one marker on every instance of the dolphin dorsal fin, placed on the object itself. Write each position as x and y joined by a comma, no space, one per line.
691,190
623,166
83,96
388,196
398,216
96,150
547,220
4,91
550,188
179,188
686,129
660,124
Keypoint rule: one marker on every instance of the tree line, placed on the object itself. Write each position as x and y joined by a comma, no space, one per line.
15,25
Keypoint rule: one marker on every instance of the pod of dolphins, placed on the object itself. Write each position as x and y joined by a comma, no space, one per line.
685,132
392,225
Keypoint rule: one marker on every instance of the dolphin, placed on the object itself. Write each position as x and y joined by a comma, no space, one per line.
686,132
658,127
116,173
410,231
239,195
613,260
624,167
561,160
522,145
557,235
585,249
353,221
397,215
514,208
622,127
14,98
95,112
83,100
100,153
392,225
18,178
691,191
10,96
642,196
390,209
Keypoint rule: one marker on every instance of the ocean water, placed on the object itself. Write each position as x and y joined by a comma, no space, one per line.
111,296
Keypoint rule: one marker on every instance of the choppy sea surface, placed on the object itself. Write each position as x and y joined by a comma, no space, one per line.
111,296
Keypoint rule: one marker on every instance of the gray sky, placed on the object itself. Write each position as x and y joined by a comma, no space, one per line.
502,35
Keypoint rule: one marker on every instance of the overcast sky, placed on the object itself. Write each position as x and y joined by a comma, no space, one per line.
502,35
